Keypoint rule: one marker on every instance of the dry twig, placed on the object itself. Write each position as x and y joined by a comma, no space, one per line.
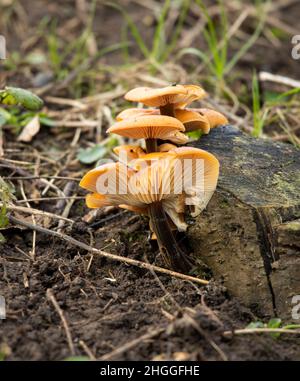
52,299
247,331
131,344
104,254
36,211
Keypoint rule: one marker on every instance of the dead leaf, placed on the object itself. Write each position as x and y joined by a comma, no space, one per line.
30,130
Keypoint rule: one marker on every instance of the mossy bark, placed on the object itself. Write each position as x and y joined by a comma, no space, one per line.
249,234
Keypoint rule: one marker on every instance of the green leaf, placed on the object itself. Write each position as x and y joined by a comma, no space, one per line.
113,142
6,194
91,155
17,96
270,96
3,217
2,240
274,323
46,121
255,324
4,117
6,191
195,135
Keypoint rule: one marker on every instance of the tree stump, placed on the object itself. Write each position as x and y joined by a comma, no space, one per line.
249,234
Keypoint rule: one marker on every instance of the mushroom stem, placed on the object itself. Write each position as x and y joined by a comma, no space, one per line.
151,145
168,110
173,256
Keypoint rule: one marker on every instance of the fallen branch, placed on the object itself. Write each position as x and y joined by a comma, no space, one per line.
247,331
74,124
104,254
50,199
33,211
52,299
131,344
39,177
265,76
87,350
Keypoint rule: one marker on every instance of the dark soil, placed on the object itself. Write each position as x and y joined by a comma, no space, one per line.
108,304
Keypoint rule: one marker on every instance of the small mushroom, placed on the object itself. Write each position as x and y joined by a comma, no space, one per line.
193,120
89,179
166,147
135,112
151,128
214,118
110,181
127,153
166,98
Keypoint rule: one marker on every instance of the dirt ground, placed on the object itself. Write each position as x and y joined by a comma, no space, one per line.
108,304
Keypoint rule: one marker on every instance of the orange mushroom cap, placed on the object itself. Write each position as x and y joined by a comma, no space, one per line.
130,152
151,127
194,93
214,117
166,147
191,120
179,95
96,200
199,193
89,180
135,209
135,112
149,159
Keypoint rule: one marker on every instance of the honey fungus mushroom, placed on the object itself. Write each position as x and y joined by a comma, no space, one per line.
192,119
159,189
165,181
128,153
151,128
168,98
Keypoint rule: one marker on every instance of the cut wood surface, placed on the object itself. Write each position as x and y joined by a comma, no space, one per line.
249,234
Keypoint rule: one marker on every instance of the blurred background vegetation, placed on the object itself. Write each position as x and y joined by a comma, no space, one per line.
81,48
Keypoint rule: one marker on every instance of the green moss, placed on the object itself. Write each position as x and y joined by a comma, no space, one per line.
224,204
286,185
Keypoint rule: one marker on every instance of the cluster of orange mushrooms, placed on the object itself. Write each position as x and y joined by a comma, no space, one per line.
146,179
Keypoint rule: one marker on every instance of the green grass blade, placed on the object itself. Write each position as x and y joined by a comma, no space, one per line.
210,34
287,94
198,53
159,37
